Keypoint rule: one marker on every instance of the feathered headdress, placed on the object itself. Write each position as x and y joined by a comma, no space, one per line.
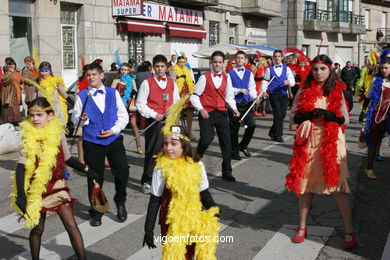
384,56
301,56
36,57
173,117
373,57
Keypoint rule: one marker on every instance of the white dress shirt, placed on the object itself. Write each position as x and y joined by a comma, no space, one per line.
143,94
278,71
252,84
201,85
158,182
100,101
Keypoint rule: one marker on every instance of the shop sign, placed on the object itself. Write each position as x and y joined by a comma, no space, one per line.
126,7
171,14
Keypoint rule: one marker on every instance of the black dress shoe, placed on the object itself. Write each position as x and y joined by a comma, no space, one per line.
279,140
236,156
95,221
246,152
228,177
121,213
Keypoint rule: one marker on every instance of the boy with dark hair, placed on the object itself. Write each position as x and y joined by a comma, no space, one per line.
103,118
155,96
211,94
244,88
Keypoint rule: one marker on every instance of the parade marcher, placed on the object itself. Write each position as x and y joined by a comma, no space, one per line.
377,120
279,92
54,90
261,68
212,93
185,85
180,182
31,73
155,96
39,184
104,117
126,86
244,88
319,161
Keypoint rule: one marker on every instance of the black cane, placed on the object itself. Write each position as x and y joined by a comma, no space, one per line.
78,123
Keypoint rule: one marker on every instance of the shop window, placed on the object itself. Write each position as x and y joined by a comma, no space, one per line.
213,33
136,47
232,33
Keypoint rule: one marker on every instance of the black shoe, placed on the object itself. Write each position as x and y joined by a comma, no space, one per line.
246,152
228,177
236,156
95,221
279,140
121,213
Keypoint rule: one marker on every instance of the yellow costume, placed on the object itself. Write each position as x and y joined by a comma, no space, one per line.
180,81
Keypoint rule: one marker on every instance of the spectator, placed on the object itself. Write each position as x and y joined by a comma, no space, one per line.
348,76
337,69
173,60
31,73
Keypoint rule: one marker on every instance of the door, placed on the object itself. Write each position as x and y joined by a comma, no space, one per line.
186,45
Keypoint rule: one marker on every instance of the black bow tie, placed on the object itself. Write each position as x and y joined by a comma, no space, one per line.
98,91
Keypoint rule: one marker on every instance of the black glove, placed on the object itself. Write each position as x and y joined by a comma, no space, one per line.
151,215
301,117
70,101
133,93
21,200
78,166
330,116
207,200
362,117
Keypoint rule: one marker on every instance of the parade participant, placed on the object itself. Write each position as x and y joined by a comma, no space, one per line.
124,83
301,73
54,90
261,68
212,93
319,161
39,184
104,117
180,181
185,85
279,91
157,93
377,117
244,88
31,73
11,93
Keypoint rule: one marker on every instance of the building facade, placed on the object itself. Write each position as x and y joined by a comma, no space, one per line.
331,27
63,31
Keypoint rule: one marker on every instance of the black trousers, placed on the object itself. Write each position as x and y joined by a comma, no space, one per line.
234,123
94,155
153,146
219,120
279,106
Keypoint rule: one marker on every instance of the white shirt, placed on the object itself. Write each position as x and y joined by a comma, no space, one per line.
252,84
278,71
100,101
201,85
158,182
143,94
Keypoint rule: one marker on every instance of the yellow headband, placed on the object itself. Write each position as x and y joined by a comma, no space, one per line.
40,109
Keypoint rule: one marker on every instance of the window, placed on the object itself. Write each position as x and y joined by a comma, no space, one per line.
232,33
310,10
136,47
213,33
367,17
68,36
306,49
384,20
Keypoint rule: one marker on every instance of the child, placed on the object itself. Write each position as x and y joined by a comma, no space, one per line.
125,84
157,93
179,189
39,184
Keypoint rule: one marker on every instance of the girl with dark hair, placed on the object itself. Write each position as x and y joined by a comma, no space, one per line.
39,184
319,161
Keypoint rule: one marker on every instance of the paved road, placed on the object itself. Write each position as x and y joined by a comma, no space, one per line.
257,211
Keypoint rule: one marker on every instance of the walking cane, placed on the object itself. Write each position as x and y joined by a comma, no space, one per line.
143,131
78,124
254,102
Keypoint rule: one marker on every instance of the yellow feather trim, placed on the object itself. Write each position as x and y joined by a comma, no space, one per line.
185,215
174,114
42,143
180,81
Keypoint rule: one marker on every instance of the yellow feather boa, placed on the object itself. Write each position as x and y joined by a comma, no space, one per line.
58,102
180,81
185,215
42,143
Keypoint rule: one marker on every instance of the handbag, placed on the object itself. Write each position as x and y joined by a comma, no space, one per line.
132,107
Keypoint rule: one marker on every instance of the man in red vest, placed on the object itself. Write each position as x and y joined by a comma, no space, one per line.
156,94
211,94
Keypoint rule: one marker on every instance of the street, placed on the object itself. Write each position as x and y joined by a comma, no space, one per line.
257,211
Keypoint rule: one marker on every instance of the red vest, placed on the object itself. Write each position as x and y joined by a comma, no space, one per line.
213,98
156,95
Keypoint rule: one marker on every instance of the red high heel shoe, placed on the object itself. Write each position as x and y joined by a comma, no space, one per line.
352,243
300,238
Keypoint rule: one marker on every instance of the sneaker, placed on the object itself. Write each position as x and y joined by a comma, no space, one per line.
378,158
146,188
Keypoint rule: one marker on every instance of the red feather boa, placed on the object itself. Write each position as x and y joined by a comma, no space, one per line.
328,149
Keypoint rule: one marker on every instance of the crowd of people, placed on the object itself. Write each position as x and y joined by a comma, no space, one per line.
161,98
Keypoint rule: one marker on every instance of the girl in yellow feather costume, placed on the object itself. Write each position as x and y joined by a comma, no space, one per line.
39,184
185,85
180,189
